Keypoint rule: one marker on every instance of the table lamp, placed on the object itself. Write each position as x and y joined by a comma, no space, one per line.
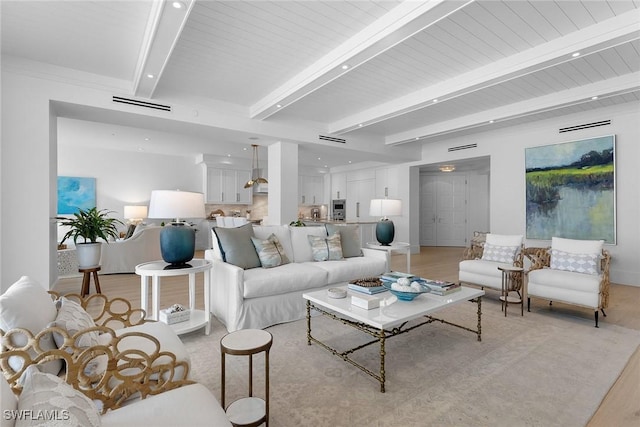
178,240
135,214
385,230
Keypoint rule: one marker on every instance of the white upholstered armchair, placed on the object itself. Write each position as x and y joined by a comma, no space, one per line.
122,256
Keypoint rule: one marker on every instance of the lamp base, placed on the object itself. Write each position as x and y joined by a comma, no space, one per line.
385,232
177,244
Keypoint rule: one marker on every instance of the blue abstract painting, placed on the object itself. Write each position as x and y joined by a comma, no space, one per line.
75,193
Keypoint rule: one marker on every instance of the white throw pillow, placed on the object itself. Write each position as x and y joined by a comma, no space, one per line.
73,318
28,305
51,401
576,246
504,239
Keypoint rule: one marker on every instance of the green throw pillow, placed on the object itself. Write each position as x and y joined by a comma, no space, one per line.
270,251
326,248
236,246
349,237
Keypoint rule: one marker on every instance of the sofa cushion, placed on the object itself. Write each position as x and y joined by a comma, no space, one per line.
46,393
260,282
499,253
281,232
578,263
349,238
236,246
189,405
28,305
351,268
559,285
481,272
270,251
300,242
326,248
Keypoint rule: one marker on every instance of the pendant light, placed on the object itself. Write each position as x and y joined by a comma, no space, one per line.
255,169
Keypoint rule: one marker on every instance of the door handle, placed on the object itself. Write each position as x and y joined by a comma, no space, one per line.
303,202
237,197
222,196
357,209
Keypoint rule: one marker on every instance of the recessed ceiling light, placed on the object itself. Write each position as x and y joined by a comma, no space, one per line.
146,139
253,138
417,138
593,98
177,5
319,158
575,54
325,166
228,155
349,161
360,125
244,149
435,100
447,168
150,76
279,106
491,121
345,66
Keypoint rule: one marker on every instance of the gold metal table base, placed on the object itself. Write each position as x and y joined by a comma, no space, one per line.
380,336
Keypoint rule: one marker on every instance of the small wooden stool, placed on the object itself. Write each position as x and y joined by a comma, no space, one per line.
86,278
249,411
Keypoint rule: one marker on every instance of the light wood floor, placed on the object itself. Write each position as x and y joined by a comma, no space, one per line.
621,406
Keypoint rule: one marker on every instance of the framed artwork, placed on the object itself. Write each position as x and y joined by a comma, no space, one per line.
75,193
570,190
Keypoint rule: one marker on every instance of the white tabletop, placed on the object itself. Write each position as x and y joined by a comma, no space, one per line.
394,246
392,312
159,268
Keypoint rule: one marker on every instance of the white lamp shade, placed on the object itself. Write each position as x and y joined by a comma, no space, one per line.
176,204
135,212
385,207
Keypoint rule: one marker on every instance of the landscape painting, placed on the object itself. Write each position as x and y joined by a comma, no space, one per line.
75,193
570,190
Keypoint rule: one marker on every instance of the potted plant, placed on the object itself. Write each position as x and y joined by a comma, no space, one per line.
90,224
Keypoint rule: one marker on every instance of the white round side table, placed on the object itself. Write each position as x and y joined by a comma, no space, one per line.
249,411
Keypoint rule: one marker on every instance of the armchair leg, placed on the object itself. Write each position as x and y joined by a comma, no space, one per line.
528,304
596,315
603,313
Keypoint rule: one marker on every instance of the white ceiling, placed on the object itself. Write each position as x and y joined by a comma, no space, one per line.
365,71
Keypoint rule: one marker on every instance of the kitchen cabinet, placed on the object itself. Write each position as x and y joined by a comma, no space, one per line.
339,185
359,195
226,186
311,190
386,183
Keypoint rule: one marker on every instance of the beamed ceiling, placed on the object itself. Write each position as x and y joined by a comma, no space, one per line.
385,76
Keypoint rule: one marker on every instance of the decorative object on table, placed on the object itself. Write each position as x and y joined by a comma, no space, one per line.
442,287
392,276
297,223
177,241
406,292
255,170
570,190
75,194
336,293
91,225
175,314
368,285
367,302
383,208
135,214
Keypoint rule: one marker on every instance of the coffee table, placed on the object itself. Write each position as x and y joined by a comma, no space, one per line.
390,319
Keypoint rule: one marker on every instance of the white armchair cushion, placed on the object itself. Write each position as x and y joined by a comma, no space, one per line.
481,272
566,286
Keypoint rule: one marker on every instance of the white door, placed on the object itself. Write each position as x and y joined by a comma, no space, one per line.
443,211
428,210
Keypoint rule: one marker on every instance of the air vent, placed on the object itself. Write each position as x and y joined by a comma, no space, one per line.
332,139
463,147
139,103
585,126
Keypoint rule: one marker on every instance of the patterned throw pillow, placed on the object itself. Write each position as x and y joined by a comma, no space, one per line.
44,393
270,251
506,254
326,248
73,318
578,263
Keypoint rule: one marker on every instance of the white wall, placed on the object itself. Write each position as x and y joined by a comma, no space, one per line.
507,150
127,178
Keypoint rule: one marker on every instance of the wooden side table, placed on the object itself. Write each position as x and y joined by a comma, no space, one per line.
249,411
86,278
508,285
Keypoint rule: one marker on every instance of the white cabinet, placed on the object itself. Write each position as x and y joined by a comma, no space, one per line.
339,185
226,186
387,183
359,195
311,189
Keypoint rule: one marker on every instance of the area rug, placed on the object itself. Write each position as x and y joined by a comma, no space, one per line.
547,368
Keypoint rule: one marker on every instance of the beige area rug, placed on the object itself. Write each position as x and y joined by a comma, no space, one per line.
544,369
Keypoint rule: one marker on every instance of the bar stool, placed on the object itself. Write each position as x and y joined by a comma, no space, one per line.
86,278
249,411
509,274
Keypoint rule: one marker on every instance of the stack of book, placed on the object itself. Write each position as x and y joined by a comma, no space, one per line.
367,286
441,287
393,276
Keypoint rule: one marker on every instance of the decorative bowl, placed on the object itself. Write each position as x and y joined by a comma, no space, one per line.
406,296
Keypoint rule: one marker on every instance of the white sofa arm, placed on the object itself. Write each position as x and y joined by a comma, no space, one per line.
374,253
227,291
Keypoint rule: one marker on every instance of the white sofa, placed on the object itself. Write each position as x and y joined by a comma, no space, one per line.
122,256
260,297
570,271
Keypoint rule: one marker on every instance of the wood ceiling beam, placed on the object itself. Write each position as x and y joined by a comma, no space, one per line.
402,22
164,26
595,38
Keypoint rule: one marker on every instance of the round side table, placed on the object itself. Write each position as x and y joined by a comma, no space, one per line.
86,278
249,411
509,281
